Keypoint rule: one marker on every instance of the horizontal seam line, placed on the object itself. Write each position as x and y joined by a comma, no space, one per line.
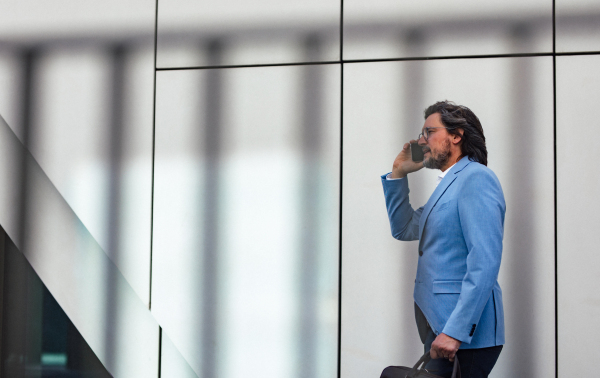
404,59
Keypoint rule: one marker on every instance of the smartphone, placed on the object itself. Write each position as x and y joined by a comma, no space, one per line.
416,152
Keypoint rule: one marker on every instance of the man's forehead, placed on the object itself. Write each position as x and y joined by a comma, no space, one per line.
433,120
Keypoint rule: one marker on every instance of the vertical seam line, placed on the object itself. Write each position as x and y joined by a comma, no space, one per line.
555,191
153,156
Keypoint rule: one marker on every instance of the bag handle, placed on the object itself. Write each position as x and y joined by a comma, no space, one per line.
456,368
424,360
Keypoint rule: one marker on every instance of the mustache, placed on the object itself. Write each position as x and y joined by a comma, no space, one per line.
426,149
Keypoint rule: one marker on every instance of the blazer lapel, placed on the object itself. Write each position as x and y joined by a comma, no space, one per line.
437,193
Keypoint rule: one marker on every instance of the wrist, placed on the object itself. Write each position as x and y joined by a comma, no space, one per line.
396,174
452,338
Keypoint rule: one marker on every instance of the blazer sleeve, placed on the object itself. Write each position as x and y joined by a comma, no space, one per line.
481,211
404,221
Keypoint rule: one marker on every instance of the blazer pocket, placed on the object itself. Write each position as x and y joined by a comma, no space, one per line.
447,287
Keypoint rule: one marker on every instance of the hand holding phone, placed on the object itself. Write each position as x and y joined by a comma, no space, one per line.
410,159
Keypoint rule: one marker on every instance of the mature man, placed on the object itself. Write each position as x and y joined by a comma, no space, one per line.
458,301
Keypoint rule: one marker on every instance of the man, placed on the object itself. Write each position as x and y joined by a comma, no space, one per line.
458,301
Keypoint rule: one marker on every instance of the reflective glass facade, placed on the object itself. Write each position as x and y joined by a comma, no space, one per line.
191,188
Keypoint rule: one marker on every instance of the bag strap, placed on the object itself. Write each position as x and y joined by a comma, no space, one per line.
456,368
424,360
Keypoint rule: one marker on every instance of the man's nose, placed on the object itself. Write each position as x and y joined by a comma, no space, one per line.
422,141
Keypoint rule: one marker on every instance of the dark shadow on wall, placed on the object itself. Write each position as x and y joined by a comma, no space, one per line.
413,84
311,130
211,148
117,99
521,199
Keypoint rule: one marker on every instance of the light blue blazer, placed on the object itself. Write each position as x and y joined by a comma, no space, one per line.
460,232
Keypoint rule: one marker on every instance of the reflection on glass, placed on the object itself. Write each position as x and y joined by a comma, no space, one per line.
86,283
77,88
79,96
577,25
251,32
38,339
392,29
577,80
513,100
172,364
246,218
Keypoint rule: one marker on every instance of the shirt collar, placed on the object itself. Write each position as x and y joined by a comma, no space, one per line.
443,174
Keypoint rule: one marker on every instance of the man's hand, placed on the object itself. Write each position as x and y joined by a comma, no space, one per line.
444,346
404,164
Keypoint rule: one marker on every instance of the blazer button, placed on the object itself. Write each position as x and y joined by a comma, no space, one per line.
420,253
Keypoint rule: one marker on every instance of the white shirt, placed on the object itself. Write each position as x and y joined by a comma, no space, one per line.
437,181
442,175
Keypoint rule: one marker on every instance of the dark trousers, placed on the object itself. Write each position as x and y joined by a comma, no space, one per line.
474,363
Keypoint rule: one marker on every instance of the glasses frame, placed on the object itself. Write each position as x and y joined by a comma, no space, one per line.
425,134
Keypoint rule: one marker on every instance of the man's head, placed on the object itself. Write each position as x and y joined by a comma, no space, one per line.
452,131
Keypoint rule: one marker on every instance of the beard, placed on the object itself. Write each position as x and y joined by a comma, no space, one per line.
437,159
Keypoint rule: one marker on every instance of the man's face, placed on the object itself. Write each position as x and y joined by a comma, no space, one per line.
437,146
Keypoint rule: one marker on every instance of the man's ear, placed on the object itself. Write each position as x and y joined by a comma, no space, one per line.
457,138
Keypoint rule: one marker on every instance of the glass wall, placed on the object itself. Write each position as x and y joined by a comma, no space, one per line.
196,183
77,96
38,338
246,210
577,25
257,32
394,29
513,99
577,94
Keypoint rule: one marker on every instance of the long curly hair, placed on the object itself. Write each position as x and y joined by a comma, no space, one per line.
456,118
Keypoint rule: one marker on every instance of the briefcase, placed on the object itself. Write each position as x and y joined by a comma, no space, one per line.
417,371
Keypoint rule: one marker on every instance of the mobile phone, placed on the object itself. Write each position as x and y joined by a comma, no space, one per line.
416,152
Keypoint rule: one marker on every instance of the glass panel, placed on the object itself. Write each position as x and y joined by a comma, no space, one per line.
246,32
172,364
246,219
90,111
10,72
392,29
89,287
30,20
577,96
383,109
38,339
577,25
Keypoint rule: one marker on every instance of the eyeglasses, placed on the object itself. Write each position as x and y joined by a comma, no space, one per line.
426,132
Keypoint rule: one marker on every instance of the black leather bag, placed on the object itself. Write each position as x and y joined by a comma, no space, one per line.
416,371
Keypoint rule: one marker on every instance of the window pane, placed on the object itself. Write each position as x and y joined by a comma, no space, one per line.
246,219
391,29
577,96
577,25
383,109
260,31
